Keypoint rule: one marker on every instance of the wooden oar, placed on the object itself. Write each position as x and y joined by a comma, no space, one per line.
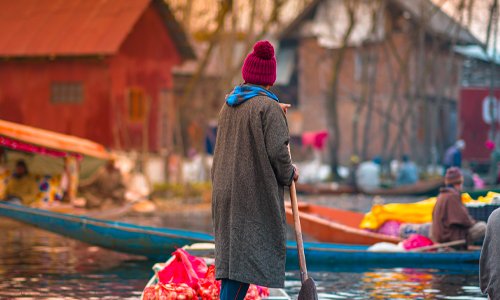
308,289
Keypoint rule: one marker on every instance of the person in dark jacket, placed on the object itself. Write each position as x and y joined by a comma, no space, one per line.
450,219
453,155
251,167
489,263
407,173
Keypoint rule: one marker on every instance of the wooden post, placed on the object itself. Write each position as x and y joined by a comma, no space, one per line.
71,168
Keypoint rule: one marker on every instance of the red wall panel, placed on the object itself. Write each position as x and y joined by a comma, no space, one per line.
474,130
25,96
145,60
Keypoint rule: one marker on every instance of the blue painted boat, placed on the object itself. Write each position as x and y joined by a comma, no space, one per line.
123,237
158,243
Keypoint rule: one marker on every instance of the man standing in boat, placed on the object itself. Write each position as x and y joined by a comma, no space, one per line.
251,167
450,219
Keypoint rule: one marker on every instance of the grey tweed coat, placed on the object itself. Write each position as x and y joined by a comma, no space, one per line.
250,169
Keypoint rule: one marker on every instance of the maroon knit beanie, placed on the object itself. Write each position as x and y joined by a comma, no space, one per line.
260,65
453,176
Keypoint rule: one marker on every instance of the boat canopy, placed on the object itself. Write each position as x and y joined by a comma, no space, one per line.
34,140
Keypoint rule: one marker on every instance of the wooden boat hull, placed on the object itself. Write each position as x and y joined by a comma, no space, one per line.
325,256
206,251
158,243
421,188
332,225
118,236
481,193
324,189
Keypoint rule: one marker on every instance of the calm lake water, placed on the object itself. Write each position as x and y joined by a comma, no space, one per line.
35,264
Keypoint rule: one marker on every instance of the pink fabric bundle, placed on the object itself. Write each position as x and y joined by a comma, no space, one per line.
316,139
416,241
390,228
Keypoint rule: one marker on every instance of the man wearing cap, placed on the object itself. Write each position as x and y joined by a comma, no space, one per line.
250,169
450,219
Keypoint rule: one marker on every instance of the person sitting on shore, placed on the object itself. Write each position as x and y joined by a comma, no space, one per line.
21,188
450,219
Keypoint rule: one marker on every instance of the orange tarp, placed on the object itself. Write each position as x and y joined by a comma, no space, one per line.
52,140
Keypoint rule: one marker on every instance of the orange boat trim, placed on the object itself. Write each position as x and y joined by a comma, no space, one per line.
52,140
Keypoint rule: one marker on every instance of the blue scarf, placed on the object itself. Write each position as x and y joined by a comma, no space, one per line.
245,92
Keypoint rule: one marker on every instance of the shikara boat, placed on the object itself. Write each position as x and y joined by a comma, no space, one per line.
205,250
157,243
333,225
51,152
422,188
429,187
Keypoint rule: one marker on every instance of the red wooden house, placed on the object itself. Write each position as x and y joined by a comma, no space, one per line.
98,69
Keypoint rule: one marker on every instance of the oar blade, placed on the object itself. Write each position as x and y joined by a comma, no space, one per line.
308,290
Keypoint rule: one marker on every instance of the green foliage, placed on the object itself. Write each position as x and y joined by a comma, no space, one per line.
176,190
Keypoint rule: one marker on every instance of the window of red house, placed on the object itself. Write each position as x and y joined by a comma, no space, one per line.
67,92
136,104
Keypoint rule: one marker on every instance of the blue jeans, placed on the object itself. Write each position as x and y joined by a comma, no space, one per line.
233,290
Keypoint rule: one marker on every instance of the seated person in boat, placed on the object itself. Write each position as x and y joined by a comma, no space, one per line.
105,187
22,187
450,219
407,173
368,175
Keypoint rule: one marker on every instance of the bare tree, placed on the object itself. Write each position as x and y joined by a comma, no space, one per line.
333,93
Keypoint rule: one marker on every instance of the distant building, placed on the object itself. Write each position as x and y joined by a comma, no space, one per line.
479,68
95,69
480,84
383,42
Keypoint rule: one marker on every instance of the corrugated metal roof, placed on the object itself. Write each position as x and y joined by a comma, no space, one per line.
477,52
74,28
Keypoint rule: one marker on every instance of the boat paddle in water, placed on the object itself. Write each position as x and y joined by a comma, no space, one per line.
308,289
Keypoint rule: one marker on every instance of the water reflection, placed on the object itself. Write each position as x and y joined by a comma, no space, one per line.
391,284
405,284
36,264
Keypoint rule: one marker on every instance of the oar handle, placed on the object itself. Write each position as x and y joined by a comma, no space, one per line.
298,228
298,233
